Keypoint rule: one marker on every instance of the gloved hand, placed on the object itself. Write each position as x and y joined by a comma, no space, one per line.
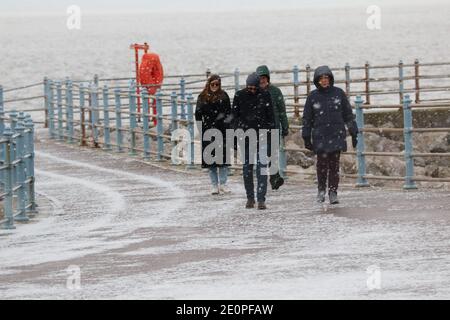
308,143
284,132
354,141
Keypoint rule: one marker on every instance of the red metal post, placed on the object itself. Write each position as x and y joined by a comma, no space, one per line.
136,48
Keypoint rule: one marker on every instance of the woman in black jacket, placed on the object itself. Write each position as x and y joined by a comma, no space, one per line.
327,111
213,111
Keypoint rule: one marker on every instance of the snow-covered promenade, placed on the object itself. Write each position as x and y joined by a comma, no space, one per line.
138,231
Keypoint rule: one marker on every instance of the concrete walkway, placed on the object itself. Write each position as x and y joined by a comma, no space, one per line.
138,231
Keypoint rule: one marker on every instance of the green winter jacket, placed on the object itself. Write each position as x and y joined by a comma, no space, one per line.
281,120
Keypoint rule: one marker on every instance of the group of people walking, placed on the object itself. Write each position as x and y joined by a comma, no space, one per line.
260,108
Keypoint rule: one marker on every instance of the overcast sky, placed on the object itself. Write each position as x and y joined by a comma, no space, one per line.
108,6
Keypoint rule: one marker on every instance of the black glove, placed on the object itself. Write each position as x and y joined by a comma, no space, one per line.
284,132
308,143
354,141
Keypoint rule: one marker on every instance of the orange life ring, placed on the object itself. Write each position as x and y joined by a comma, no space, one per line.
151,72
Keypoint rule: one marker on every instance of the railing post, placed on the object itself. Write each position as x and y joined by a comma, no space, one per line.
183,97
46,101
20,170
409,160
296,72
97,109
21,119
208,73
60,110
133,125
159,126
69,99
400,80
282,157
145,124
66,110
30,164
308,79
2,112
94,113
367,81
360,149
174,122
13,116
347,79
82,116
237,86
417,79
118,106
51,109
191,150
106,127
8,200
90,104
2,129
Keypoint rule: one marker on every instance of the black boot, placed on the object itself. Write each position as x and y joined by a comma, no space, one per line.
262,206
333,197
321,196
250,204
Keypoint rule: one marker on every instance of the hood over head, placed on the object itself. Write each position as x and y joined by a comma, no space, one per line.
263,71
322,71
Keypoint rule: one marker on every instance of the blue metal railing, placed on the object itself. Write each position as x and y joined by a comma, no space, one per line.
16,167
408,154
115,117
173,112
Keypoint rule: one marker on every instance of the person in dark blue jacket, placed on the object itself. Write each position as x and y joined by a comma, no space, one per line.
326,114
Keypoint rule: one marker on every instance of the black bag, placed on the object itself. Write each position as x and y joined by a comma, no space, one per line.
276,181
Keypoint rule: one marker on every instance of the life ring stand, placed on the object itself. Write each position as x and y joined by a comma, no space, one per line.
149,74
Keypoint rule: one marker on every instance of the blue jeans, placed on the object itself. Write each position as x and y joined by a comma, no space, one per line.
218,174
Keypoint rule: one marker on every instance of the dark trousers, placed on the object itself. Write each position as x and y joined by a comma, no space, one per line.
247,172
328,170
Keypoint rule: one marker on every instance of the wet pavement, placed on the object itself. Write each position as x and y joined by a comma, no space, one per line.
135,230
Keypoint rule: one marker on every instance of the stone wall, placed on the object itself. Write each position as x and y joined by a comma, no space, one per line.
437,167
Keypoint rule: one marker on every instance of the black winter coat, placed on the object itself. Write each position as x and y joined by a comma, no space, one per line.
214,115
253,110
327,111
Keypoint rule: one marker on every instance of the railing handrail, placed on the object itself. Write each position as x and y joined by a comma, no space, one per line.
96,101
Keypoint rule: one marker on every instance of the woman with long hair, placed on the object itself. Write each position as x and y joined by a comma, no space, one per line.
214,112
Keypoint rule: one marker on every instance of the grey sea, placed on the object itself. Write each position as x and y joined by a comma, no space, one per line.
36,46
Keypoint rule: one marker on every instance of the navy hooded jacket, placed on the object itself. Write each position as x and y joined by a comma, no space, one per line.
327,111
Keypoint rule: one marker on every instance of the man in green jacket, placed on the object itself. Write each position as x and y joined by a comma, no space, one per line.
281,120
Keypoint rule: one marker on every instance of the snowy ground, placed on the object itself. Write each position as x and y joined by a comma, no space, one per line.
139,231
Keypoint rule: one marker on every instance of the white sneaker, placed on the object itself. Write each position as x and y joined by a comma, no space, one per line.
224,189
214,190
